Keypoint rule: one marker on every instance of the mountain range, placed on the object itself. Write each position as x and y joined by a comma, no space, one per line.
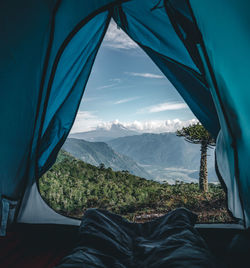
96,153
103,134
162,157
165,149
165,156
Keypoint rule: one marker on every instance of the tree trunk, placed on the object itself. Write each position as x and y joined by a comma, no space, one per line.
203,183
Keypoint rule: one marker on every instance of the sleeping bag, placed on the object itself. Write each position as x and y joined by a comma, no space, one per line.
107,240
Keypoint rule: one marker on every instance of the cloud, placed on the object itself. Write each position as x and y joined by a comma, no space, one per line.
89,99
117,39
146,75
126,100
152,126
106,86
115,80
161,107
159,126
86,121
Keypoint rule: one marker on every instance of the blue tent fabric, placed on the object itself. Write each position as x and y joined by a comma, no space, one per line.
66,91
47,51
35,35
228,53
22,56
157,36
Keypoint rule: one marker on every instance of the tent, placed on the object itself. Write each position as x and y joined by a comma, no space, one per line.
47,50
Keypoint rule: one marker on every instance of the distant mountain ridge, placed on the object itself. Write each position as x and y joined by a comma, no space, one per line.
165,149
165,155
102,134
161,157
96,153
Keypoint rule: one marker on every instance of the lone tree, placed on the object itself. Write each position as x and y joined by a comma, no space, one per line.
197,134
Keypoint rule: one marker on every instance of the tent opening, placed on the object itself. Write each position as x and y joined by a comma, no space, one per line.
123,153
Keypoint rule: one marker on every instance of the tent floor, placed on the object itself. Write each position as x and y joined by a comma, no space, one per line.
43,246
39,246
229,243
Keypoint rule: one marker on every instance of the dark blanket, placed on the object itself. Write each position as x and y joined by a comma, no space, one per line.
109,241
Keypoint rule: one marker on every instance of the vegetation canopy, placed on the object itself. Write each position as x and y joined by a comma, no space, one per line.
72,186
196,134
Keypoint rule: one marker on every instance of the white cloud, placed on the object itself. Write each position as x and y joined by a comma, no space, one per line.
161,107
115,80
117,39
126,100
152,126
89,99
158,126
146,75
87,121
106,86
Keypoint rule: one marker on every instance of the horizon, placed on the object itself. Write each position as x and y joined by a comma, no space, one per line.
135,126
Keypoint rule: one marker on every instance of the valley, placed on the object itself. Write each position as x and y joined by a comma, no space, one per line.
162,157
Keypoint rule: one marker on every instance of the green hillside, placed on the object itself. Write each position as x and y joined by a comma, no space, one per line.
71,186
96,153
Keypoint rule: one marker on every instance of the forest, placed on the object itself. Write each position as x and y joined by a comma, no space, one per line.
72,186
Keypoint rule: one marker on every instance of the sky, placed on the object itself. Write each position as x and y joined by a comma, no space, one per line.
126,87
